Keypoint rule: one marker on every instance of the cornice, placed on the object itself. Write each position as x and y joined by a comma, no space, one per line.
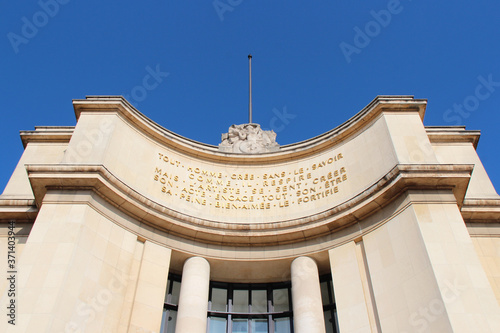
97,178
19,209
47,134
452,134
481,210
120,106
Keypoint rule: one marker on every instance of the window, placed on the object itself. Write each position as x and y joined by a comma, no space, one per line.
171,304
329,308
248,308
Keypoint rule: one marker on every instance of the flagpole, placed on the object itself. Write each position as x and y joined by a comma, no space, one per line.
250,88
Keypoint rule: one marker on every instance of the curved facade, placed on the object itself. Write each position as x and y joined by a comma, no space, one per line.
379,225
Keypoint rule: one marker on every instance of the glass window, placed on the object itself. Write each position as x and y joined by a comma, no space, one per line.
217,325
329,307
168,321
240,301
169,317
324,293
219,299
172,320
245,308
259,326
176,290
282,325
250,307
328,321
169,282
280,300
240,325
259,301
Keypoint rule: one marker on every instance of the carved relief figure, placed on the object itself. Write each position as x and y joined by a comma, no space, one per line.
248,139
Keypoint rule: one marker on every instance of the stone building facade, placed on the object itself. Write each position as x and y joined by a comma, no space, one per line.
379,225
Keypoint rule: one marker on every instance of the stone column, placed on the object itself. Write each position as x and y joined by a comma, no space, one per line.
306,297
193,299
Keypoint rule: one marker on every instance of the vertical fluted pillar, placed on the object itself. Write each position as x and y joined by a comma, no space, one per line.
306,297
193,299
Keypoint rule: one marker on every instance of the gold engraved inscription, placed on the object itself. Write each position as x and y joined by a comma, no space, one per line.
271,188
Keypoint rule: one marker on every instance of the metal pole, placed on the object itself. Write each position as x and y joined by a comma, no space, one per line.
250,88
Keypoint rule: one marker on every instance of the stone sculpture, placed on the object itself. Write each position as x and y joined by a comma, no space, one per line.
248,139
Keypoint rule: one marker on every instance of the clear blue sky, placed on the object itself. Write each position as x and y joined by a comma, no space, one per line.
320,61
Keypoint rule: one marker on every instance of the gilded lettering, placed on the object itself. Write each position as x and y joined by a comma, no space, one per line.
241,190
284,204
